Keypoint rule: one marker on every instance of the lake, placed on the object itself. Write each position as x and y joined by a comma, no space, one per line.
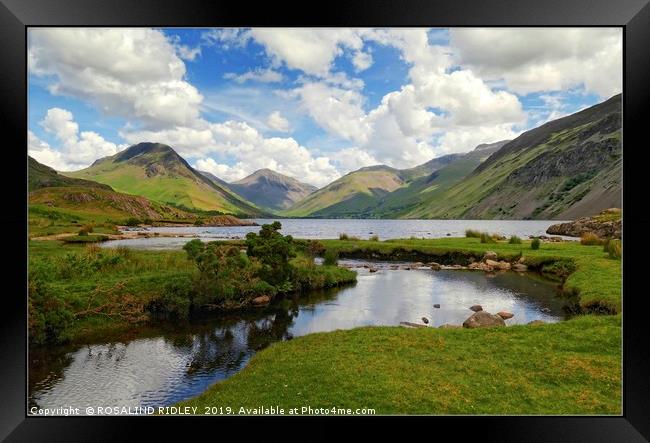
331,228
161,365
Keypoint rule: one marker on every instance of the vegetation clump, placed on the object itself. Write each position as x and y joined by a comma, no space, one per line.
614,248
487,238
331,257
535,243
514,240
472,233
590,239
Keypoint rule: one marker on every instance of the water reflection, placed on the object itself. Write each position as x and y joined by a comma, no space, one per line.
168,363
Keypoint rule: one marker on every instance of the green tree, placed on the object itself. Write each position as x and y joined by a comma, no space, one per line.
273,250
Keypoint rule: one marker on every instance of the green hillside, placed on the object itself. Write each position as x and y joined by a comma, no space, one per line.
42,176
157,172
566,168
349,195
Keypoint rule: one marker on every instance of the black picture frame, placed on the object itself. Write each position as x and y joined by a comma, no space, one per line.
16,15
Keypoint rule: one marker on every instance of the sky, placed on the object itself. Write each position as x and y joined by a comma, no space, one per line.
311,103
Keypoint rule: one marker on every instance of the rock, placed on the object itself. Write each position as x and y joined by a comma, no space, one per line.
261,300
394,267
436,305
546,310
448,234
481,266
504,265
522,259
425,320
490,255
372,270
492,263
476,308
483,319
408,324
407,268
603,225
505,314
435,266
537,322
519,267
449,326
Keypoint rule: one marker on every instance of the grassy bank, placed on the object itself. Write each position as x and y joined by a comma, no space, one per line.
572,367
79,291
591,274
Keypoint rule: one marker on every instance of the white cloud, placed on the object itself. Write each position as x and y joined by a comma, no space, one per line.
544,59
351,159
277,122
77,150
133,73
267,75
338,111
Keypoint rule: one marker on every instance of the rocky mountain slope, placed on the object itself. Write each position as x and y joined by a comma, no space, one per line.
269,189
566,168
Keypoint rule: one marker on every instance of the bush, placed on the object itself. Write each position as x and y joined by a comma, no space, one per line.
198,222
132,221
472,233
86,229
274,251
514,240
49,318
331,257
487,238
83,232
374,238
590,239
175,300
343,236
615,249
534,244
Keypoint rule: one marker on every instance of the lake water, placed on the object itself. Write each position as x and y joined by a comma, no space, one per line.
161,365
331,228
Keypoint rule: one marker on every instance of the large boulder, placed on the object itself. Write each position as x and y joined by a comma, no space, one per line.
483,319
605,225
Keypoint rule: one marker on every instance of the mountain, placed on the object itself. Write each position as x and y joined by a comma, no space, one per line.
156,171
350,194
425,190
270,189
357,193
384,192
42,176
566,168
61,204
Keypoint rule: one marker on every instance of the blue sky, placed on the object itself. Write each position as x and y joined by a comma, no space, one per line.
310,103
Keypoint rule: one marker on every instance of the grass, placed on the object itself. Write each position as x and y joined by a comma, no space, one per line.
85,238
590,239
571,367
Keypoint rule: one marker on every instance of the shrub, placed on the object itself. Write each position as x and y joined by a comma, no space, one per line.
343,236
606,245
514,240
534,244
176,298
132,221
374,238
472,233
83,232
331,257
198,222
590,239
615,249
86,229
49,318
487,238
273,250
